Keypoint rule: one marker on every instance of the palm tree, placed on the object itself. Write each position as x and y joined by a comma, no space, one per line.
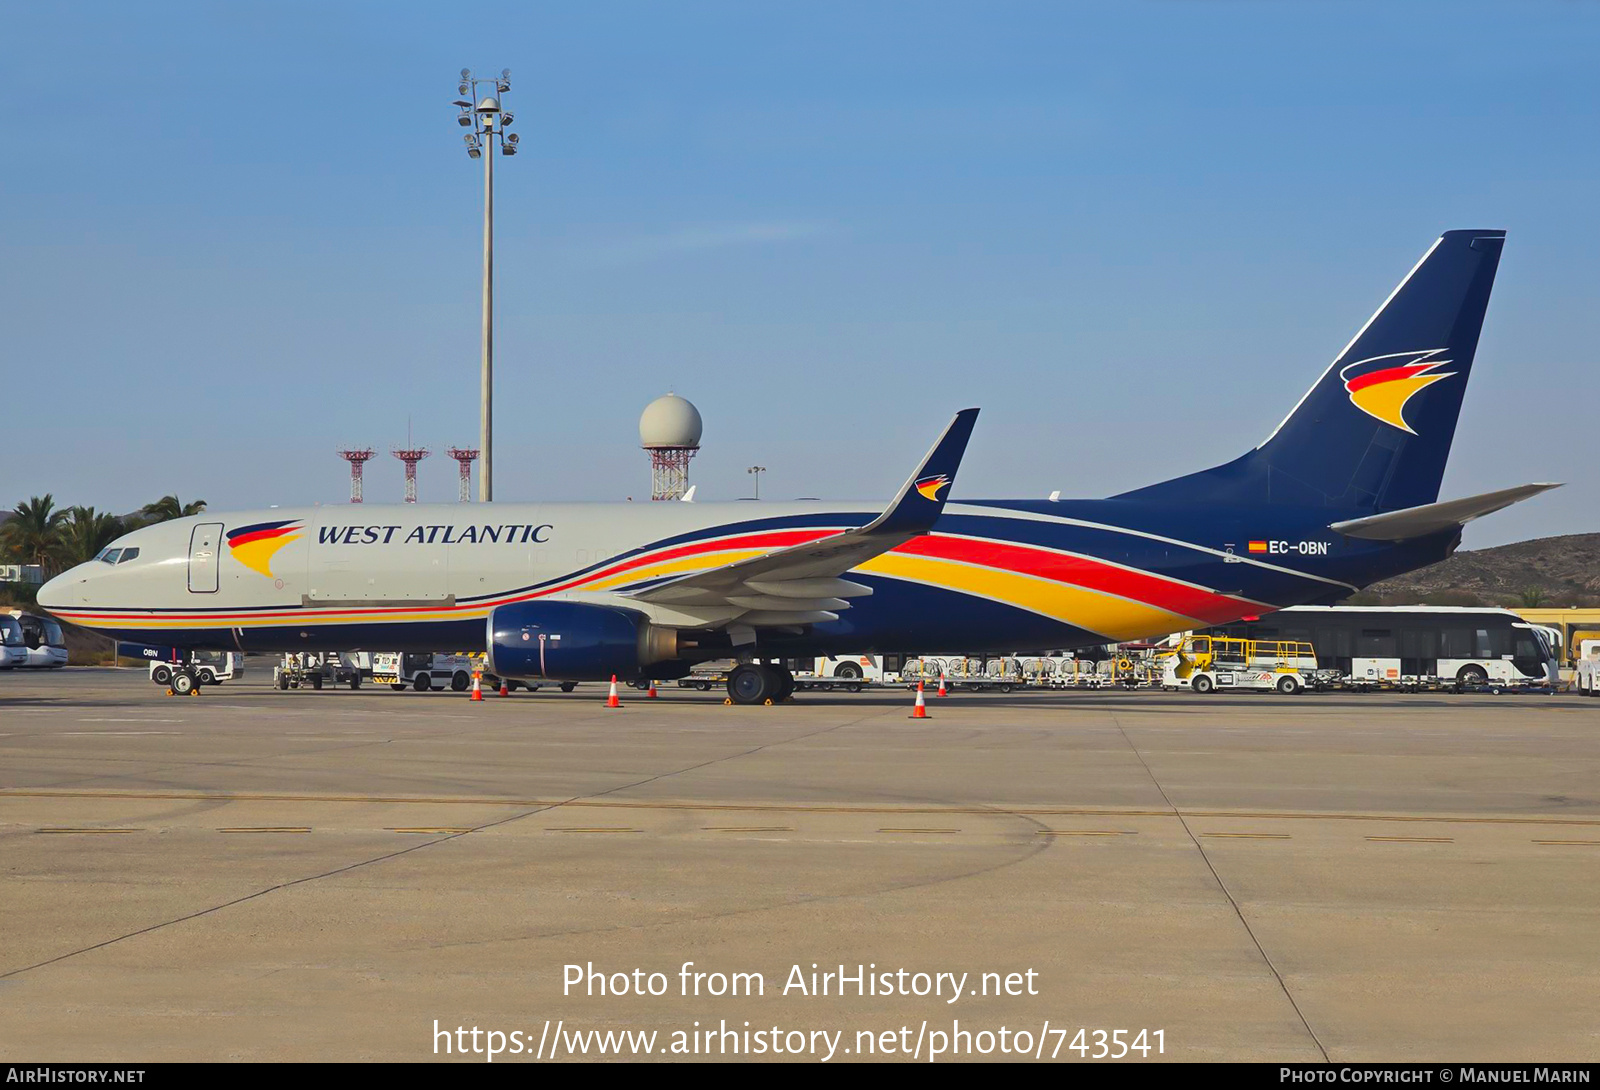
33,533
170,507
1531,597
85,532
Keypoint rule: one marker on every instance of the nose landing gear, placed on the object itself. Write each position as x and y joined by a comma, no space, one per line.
183,683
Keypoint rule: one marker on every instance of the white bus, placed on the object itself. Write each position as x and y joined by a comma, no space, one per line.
43,640
1400,646
13,648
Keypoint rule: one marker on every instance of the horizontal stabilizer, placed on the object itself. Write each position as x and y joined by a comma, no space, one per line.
1432,518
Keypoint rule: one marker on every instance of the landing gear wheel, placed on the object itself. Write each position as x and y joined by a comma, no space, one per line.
785,684
568,686
316,681
1202,684
422,683
752,684
355,682
398,686
182,683
1289,685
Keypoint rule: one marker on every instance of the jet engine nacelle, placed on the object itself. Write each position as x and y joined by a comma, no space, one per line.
574,641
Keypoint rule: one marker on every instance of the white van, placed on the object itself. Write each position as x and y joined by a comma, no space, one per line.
207,667
1586,679
422,670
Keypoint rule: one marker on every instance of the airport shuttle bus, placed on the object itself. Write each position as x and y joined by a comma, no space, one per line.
13,648
42,639
1413,644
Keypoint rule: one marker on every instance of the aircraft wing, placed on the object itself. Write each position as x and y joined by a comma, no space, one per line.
803,585
1430,518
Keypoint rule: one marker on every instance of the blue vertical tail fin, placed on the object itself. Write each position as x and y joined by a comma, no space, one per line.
1375,430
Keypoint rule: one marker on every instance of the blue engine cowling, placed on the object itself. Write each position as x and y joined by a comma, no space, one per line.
574,641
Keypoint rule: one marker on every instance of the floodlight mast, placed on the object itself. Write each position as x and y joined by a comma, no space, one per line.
488,122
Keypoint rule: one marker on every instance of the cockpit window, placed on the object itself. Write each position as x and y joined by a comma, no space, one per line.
109,555
127,555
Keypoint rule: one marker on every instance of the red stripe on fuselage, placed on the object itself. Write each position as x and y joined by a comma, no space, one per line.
1167,594
777,539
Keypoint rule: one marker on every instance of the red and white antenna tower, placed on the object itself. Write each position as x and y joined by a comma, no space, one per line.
411,456
464,458
358,460
669,431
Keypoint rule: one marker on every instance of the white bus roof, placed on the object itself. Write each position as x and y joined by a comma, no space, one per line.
1396,609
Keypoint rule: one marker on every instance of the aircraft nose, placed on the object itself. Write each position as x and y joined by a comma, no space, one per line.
57,593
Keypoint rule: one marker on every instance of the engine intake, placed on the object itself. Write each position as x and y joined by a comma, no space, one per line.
574,641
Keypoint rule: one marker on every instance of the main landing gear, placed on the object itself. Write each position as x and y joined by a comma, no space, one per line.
757,683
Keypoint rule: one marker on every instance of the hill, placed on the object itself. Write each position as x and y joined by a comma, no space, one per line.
1558,571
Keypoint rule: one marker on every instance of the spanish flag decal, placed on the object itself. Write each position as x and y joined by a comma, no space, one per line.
1381,386
1258,546
931,486
255,546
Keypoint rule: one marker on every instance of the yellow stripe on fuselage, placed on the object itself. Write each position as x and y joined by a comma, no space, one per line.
1113,617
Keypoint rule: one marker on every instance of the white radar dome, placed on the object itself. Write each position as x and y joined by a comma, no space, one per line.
669,422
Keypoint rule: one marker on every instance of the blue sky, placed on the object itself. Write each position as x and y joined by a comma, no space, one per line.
236,236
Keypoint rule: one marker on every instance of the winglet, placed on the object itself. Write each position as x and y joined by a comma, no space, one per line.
922,497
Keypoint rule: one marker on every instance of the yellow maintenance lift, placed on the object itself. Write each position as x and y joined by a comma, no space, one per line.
1208,663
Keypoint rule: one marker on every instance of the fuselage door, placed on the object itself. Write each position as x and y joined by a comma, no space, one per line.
203,543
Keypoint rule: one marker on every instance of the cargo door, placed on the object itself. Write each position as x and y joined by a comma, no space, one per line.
203,542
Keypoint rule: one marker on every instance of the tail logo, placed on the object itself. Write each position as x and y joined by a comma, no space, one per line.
255,546
1382,385
931,486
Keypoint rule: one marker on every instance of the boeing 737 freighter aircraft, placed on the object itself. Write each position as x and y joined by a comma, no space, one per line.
1343,493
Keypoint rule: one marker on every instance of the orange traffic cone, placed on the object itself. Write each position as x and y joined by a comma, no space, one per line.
921,710
612,701
941,691
477,685
505,687
652,693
